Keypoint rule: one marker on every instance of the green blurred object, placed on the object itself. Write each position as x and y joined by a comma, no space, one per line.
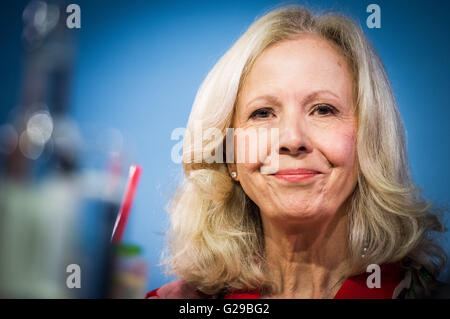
128,250
130,272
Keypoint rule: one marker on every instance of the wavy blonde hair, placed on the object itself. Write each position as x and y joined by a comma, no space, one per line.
216,241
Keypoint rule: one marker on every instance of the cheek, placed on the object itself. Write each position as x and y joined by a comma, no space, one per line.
248,172
251,181
251,147
249,155
339,146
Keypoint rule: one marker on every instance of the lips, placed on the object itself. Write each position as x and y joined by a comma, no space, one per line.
296,171
296,174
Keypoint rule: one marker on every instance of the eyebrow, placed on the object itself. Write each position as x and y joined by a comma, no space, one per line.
312,96
307,99
267,97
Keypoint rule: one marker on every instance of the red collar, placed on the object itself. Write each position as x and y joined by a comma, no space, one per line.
354,287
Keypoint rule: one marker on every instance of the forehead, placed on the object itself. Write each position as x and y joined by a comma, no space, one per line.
298,67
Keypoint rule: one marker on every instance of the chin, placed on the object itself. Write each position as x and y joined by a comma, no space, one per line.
301,215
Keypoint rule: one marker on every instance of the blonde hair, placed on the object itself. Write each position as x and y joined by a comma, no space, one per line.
215,239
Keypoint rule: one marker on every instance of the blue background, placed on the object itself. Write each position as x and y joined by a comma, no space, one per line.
140,63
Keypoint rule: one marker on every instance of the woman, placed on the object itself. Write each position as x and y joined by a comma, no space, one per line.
329,196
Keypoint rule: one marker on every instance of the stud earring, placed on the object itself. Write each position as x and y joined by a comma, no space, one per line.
364,252
233,174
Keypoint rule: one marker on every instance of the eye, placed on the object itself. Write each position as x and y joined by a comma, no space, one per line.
262,113
324,109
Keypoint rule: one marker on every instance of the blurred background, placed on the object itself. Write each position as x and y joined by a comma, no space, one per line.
79,106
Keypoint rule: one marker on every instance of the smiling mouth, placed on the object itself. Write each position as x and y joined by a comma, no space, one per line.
294,175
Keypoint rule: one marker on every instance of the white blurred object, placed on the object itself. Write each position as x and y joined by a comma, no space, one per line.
42,232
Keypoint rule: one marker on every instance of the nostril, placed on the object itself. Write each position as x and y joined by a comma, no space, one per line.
287,150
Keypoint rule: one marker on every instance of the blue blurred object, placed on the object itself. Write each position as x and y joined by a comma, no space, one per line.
57,213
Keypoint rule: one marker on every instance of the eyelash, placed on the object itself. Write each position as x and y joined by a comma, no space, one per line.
328,107
332,110
259,111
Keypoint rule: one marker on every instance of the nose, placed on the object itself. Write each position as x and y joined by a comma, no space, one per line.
294,137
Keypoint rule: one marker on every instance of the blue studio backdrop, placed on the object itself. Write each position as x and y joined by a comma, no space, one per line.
139,64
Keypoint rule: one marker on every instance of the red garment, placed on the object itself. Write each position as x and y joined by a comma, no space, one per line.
354,287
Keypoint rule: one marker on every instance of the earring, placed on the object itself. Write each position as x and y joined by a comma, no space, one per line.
364,252
233,174
364,249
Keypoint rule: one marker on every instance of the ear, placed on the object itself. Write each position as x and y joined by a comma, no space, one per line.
232,168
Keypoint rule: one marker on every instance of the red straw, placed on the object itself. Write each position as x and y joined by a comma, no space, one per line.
124,212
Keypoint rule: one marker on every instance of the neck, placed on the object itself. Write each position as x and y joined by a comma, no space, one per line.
310,260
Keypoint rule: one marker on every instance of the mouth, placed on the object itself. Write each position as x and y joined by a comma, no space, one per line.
297,174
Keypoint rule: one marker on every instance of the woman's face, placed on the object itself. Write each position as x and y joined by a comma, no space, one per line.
303,88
